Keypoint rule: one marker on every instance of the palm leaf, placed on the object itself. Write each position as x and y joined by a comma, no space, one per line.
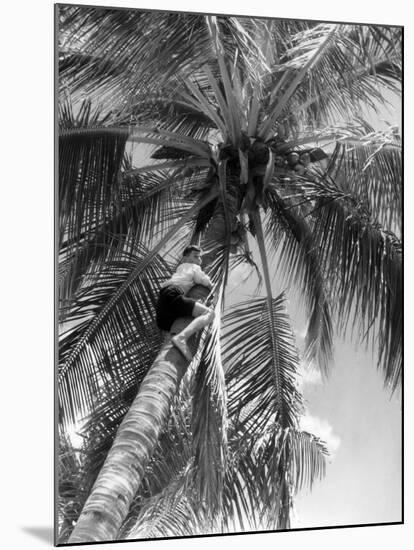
347,78
367,264
71,353
209,400
208,423
287,460
319,41
265,472
300,262
371,167
228,101
167,514
70,501
110,53
83,362
251,367
199,101
89,165
146,207
215,230
343,78
128,43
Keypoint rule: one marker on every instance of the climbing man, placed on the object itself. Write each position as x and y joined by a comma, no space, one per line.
173,302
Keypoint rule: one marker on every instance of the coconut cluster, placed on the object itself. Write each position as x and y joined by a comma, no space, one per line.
294,161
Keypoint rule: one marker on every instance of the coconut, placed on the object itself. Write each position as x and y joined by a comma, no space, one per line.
259,152
305,159
300,169
293,158
317,154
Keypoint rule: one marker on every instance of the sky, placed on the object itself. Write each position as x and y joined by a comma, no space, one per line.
362,426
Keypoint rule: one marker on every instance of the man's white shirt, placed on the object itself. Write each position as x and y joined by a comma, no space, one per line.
188,275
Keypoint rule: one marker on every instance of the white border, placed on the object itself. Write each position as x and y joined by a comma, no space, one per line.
27,272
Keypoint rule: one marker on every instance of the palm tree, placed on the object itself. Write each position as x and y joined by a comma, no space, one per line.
260,145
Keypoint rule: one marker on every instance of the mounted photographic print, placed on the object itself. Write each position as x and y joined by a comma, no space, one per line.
229,249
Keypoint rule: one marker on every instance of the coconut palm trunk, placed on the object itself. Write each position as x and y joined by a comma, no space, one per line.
121,475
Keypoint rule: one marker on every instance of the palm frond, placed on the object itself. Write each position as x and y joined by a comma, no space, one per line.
69,503
89,165
307,459
84,361
110,53
173,111
198,100
148,206
287,460
341,79
366,266
215,230
265,473
251,368
313,46
162,137
77,342
273,479
167,514
347,79
209,426
228,103
240,497
126,47
209,400
370,167
299,261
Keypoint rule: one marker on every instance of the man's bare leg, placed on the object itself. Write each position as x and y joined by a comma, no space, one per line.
203,316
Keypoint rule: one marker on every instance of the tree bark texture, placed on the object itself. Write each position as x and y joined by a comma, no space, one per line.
122,473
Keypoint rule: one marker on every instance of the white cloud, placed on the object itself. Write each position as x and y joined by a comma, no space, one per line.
322,429
307,376
312,376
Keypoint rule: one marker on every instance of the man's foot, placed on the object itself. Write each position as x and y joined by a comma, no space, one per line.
181,344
